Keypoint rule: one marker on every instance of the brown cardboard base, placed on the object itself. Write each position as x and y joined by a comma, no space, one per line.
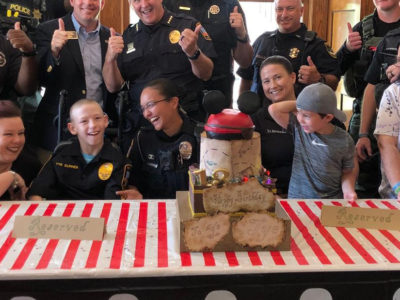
227,243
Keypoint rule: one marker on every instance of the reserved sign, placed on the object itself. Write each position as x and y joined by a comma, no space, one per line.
67,228
358,217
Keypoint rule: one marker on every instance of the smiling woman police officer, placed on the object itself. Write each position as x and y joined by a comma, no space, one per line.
163,152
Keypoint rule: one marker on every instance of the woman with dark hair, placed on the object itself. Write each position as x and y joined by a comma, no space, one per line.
162,153
12,141
277,148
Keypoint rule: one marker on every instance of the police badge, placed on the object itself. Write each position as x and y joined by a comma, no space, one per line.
294,52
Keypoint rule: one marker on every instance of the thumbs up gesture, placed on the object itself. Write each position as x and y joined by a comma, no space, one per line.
353,41
115,45
19,39
236,21
60,38
188,40
308,74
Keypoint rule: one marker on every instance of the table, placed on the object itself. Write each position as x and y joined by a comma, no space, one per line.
140,255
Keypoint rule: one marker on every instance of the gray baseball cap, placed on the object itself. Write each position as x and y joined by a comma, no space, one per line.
319,98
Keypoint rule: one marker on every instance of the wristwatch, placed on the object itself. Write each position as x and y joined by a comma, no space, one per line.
31,53
195,55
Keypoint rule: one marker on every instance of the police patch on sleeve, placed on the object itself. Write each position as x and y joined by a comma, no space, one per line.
105,171
203,32
330,51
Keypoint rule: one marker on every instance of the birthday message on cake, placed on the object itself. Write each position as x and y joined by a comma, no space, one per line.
237,197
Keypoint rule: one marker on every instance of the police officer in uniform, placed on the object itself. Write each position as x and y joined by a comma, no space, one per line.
312,60
224,21
355,56
161,45
162,152
18,67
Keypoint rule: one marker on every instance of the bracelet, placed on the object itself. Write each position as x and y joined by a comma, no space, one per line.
363,135
195,55
15,181
396,188
245,40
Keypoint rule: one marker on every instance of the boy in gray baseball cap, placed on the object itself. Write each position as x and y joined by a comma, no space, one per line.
324,163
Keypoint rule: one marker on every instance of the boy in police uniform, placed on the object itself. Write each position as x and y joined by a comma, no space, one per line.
86,167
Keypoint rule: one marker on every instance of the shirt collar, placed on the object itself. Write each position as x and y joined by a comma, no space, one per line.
165,20
78,26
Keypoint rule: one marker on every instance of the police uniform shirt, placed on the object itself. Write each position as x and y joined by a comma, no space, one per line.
160,166
294,47
10,63
214,16
153,52
67,175
385,55
277,147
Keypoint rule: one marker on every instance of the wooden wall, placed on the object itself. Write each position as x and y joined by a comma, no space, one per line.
115,14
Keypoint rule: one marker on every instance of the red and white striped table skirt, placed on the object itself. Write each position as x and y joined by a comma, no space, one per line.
142,240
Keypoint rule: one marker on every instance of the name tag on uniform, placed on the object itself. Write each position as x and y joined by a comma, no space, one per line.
130,48
184,8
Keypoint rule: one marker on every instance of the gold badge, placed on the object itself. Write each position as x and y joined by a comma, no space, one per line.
174,36
37,14
105,171
214,9
185,150
72,35
294,52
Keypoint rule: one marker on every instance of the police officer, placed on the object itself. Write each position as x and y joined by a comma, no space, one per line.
224,21
30,13
161,44
312,60
354,58
163,152
18,68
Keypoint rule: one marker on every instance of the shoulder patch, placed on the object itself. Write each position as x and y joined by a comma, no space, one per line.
203,32
330,51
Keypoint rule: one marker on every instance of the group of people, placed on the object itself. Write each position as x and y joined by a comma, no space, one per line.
178,49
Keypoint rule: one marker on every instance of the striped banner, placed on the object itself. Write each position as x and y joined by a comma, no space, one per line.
141,238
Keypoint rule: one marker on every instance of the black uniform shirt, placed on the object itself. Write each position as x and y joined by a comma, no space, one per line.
67,175
153,52
10,63
214,16
385,55
277,147
159,169
294,47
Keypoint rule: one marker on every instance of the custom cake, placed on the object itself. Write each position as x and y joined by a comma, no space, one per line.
230,205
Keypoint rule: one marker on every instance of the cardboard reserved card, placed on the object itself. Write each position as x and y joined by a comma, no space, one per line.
68,228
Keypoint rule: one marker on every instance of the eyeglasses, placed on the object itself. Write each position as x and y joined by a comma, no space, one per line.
151,104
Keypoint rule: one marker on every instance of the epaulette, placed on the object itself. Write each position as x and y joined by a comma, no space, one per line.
61,145
309,36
